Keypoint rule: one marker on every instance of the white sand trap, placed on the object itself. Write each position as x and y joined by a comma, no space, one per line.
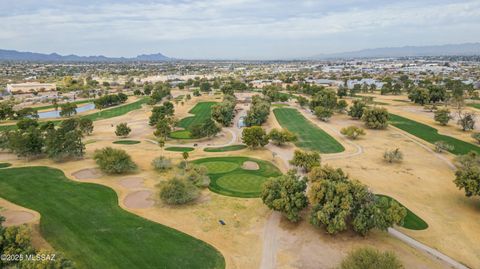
17,217
139,199
132,182
249,165
89,173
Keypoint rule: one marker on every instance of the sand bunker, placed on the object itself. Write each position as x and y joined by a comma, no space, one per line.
89,173
132,182
17,217
249,165
139,199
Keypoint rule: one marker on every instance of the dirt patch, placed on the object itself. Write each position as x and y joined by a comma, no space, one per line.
17,217
89,173
132,182
139,199
249,165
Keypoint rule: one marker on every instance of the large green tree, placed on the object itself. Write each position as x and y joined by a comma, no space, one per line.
254,137
305,160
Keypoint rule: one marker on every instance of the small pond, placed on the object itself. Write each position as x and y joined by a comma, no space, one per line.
56,113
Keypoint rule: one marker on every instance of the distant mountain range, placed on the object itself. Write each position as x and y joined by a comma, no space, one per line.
13,55
465,49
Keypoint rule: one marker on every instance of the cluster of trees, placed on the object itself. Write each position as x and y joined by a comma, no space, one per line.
466,120
373,117
32,140
233,86
352,132
259,111
256,136
110,100
208,128
337,202
114,161
68,109
274,94
17,241
7,112
224,112
305,160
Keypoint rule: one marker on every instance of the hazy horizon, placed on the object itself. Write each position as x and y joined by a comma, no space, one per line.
237,29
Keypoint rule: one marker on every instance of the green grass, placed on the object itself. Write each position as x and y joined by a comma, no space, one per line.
477,106
229,178
202,112
84,221
180,149
4,165
310,136
181,134
431,134
126,142
412,221
52,106
100,115
225,149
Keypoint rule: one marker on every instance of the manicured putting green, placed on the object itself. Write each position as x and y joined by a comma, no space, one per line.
226,148
412,221
180,149
310,136
220,167
84,221
4,165
431,134
229,178
202,112
126,142
181,134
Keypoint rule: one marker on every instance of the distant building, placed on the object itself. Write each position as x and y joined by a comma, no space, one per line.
30,87
259,84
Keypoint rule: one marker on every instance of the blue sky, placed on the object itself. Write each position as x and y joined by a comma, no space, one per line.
232,29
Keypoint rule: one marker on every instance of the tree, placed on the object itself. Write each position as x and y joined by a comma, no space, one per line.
305,160
6,110
178,192
122,130
366,258
341,106
114,161
466,121
286,194
441,146
68,109
26,142
185,155
205,86
342,91
352,132
163,129
392,156
467,176
224,112
357,108
375,118
325,98
86,126
259,111
280,137
302,101
419,96
442,116
323,113
254,137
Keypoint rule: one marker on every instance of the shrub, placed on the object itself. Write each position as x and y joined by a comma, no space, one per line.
197,174
466,121
441,146
162,164
352,132
122,130
375,118
177,192
392,156
114,161
442,116
363,258
323,113
280,137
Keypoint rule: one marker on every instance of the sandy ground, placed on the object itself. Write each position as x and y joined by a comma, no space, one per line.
422,183
87,173
139,199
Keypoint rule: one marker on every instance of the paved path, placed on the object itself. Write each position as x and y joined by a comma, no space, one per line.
270,242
